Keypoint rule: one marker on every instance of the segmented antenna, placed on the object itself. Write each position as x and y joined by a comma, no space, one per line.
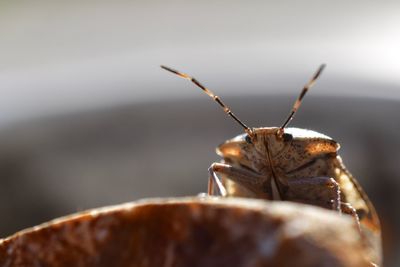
210,94
301,96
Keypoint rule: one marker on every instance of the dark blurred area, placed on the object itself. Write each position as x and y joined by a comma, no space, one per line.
88,119
56,166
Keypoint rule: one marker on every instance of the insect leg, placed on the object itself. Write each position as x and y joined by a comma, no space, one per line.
214,180
319,191
347,208
245,178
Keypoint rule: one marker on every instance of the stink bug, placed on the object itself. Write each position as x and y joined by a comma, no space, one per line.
290,164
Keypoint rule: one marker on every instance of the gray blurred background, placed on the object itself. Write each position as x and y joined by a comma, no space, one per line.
87,117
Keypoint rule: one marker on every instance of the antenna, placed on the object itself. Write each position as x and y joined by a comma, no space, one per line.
216,98
301,96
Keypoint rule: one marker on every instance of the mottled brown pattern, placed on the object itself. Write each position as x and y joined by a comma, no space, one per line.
302,165
191,232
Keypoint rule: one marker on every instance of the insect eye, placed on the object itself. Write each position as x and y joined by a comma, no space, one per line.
287,137
248,139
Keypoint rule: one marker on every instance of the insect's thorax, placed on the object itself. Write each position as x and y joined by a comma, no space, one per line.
286,153
296,154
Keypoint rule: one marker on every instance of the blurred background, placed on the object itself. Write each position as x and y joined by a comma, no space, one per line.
87,117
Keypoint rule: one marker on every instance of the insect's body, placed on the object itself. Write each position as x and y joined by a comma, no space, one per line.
297,154
296,165
285,159
290,164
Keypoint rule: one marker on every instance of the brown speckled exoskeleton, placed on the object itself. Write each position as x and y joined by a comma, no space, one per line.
290,164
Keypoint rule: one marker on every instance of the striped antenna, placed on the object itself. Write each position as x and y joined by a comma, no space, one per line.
216,98
301,96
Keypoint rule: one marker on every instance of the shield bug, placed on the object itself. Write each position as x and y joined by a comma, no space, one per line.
290,164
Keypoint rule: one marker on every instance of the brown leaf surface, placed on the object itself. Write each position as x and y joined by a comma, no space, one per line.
191,232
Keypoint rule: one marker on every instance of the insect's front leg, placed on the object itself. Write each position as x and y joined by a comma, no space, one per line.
319,191
213,180
245,178
347,208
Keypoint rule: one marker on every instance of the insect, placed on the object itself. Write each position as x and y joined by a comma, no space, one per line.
290,164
